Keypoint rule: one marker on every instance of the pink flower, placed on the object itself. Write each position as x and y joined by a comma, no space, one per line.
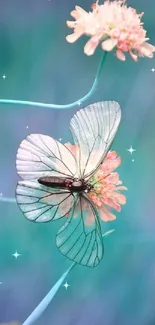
107,186
115,26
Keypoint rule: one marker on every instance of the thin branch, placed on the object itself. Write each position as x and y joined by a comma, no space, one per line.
54,106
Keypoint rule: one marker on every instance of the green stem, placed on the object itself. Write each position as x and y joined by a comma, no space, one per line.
51,294
78,102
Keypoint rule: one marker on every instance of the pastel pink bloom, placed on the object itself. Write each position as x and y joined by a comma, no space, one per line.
106,186
115,26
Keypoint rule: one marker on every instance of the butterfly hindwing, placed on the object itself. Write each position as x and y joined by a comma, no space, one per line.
42,204
80,238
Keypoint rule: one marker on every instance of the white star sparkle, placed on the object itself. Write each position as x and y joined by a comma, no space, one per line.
133,160
60,139
1,194
4,77
16,255
153,69
27,127
131,150
66,285
79,103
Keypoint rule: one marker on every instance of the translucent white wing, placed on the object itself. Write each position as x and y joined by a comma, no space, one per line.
93,129
80,238
40,155
42,204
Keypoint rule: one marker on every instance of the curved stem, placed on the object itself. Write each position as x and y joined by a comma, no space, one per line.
47,299
78,102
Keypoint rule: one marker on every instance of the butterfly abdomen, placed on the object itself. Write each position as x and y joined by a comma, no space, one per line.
56,182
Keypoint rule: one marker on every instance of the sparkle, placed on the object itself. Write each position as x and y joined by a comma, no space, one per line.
66,285
27,127
133,160
79,103
1,194
153,69
131,150
16,255
60,139
4,77
1,282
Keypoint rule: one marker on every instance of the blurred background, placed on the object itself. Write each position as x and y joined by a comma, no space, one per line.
37,64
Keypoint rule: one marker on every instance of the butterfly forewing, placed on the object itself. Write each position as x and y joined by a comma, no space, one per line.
42,204
40,155
80,239
93,130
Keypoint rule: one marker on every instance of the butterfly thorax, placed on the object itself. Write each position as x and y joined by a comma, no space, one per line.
74,185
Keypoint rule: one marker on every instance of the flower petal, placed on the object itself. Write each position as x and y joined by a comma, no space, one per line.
80,10
122,188
73,37
113,178
120,55
111,155
147,49
109,44
70,24
106,215
134,56
110,164
91,46
74,14
110,202
120,198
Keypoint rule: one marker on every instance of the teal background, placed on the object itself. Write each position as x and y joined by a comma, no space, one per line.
41,66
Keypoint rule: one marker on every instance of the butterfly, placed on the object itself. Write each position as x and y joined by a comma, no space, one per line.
55,183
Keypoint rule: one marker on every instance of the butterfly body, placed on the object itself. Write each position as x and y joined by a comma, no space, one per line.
74,185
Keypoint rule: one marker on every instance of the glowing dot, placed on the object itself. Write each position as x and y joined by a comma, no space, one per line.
16,255
27,127
60,139
153,69
79,103
131,150
4,77
66,285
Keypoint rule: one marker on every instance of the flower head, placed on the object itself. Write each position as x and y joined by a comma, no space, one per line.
106,186
115,26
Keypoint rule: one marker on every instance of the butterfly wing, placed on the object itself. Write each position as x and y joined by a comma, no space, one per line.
93,129
42,204
40,155
80,238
